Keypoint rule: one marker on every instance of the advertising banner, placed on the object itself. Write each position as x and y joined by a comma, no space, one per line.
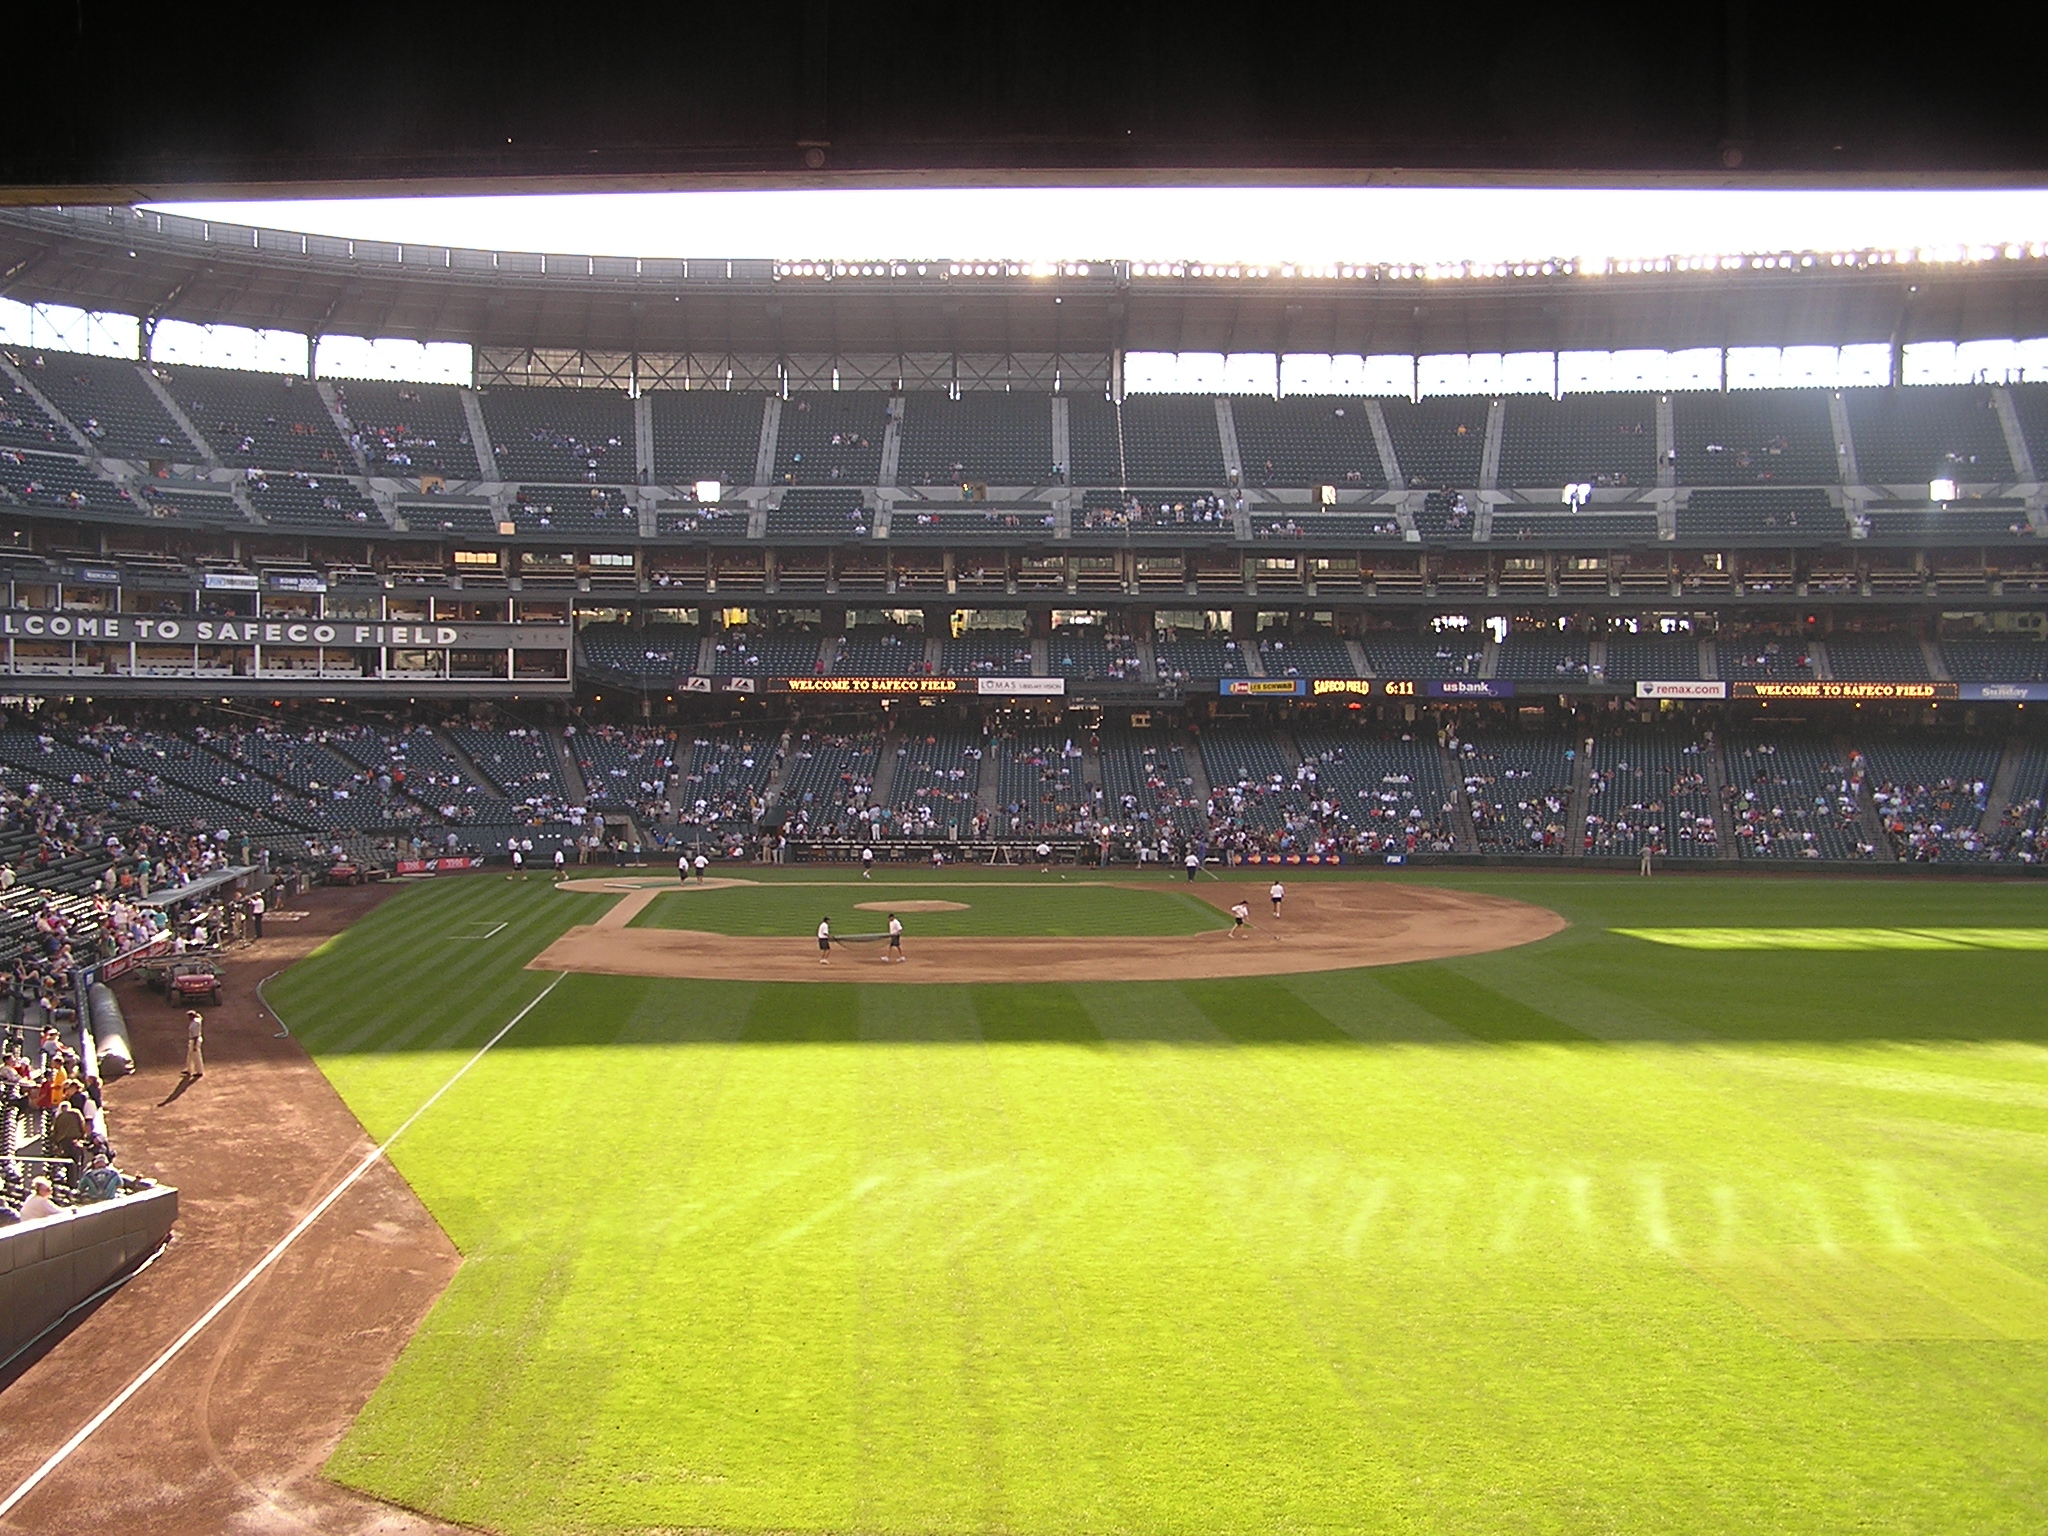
1470,688
1021,687
2005,693
872,685
723,684
1861,692
438,866
128,960
1264,687
1681,690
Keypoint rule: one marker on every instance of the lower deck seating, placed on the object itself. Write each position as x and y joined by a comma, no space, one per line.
936,783
1932,796
1791,797
624,769
1520,790
828,791
2021,833
1147,788
722,781
1651,789
1387,791
1038,782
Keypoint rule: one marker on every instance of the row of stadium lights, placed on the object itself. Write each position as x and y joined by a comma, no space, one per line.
1433,272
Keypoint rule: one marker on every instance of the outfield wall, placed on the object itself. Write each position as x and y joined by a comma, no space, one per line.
48,1267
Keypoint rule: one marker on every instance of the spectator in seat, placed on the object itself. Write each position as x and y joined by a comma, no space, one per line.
39,1204
102,1181
67,1134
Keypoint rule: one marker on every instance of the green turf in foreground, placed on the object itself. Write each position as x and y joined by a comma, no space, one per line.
1060,909
1596,1235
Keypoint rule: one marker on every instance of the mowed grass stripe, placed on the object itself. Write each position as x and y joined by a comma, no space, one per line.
1475,1009
1009,1015
400,978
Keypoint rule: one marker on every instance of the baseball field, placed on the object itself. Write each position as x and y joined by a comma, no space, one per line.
1675,1205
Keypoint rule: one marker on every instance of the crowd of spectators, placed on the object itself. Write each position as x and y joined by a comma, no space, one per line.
310,491
55,1122
1206,510
392,446
1779,812
2021,834
1931,821
589,453
1294,528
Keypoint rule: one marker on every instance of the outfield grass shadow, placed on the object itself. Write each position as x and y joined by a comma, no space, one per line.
1423,1005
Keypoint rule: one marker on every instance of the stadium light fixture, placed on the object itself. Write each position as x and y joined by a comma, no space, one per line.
1941,491
709,490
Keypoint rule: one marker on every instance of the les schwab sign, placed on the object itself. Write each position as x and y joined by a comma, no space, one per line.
151,630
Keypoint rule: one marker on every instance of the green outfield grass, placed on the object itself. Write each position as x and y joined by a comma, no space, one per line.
1598,1235
1067,908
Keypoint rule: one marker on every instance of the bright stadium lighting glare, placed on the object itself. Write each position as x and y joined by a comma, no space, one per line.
1229,230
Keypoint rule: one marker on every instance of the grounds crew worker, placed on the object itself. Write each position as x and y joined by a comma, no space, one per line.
195,1039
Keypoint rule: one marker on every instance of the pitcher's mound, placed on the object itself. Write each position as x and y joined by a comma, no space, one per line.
911,906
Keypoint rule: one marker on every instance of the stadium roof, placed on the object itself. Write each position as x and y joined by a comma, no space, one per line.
158,265
139,104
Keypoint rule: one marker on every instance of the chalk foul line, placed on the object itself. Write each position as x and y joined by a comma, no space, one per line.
374,1156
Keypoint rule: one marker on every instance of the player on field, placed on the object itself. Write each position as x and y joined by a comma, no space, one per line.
867,863
825,942
683,868
895,940
1194,864
1240,912
1277,892
702,864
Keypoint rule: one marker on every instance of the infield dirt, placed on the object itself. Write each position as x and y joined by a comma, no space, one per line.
1321,927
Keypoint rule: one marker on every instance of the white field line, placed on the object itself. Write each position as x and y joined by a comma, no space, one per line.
64,1452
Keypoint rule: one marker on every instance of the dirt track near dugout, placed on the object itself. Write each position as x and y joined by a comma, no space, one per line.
231,1437
1321,927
